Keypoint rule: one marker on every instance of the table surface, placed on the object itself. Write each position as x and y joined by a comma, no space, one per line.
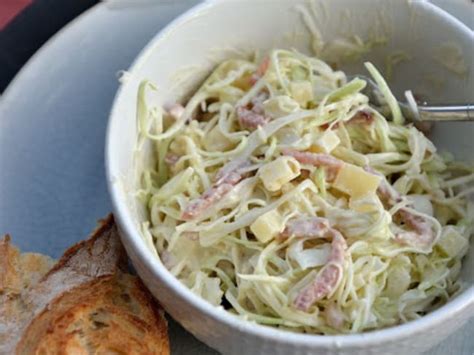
52,123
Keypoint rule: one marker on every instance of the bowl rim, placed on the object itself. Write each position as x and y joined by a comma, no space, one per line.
131,234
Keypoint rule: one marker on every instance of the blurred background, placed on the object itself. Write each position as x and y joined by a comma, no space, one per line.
25,25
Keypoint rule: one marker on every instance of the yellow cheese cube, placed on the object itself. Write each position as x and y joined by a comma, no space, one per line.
279,172
267,226
355,181
326,143
301,91
216,142
451,242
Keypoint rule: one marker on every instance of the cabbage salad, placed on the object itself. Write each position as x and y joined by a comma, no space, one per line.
281,194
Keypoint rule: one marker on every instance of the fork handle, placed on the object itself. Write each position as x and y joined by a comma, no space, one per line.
446,113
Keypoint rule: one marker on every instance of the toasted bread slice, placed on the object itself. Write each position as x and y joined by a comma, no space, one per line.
109,315
18,272
87,304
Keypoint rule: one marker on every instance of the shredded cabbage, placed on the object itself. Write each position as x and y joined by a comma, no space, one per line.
222,231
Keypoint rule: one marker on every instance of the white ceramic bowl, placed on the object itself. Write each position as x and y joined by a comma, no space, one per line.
206,34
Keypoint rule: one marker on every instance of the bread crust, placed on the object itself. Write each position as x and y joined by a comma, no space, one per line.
109,315
85,304
18,272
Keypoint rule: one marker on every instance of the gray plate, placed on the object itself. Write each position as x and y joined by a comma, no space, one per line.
52,125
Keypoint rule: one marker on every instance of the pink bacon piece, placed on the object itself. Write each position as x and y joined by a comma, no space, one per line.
328,278
226,179
199,205
314,227
331,164
330,275
250,119
261,70
232,172
421,233
253,115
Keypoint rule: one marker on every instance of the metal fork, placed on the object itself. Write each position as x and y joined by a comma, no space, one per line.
437,113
